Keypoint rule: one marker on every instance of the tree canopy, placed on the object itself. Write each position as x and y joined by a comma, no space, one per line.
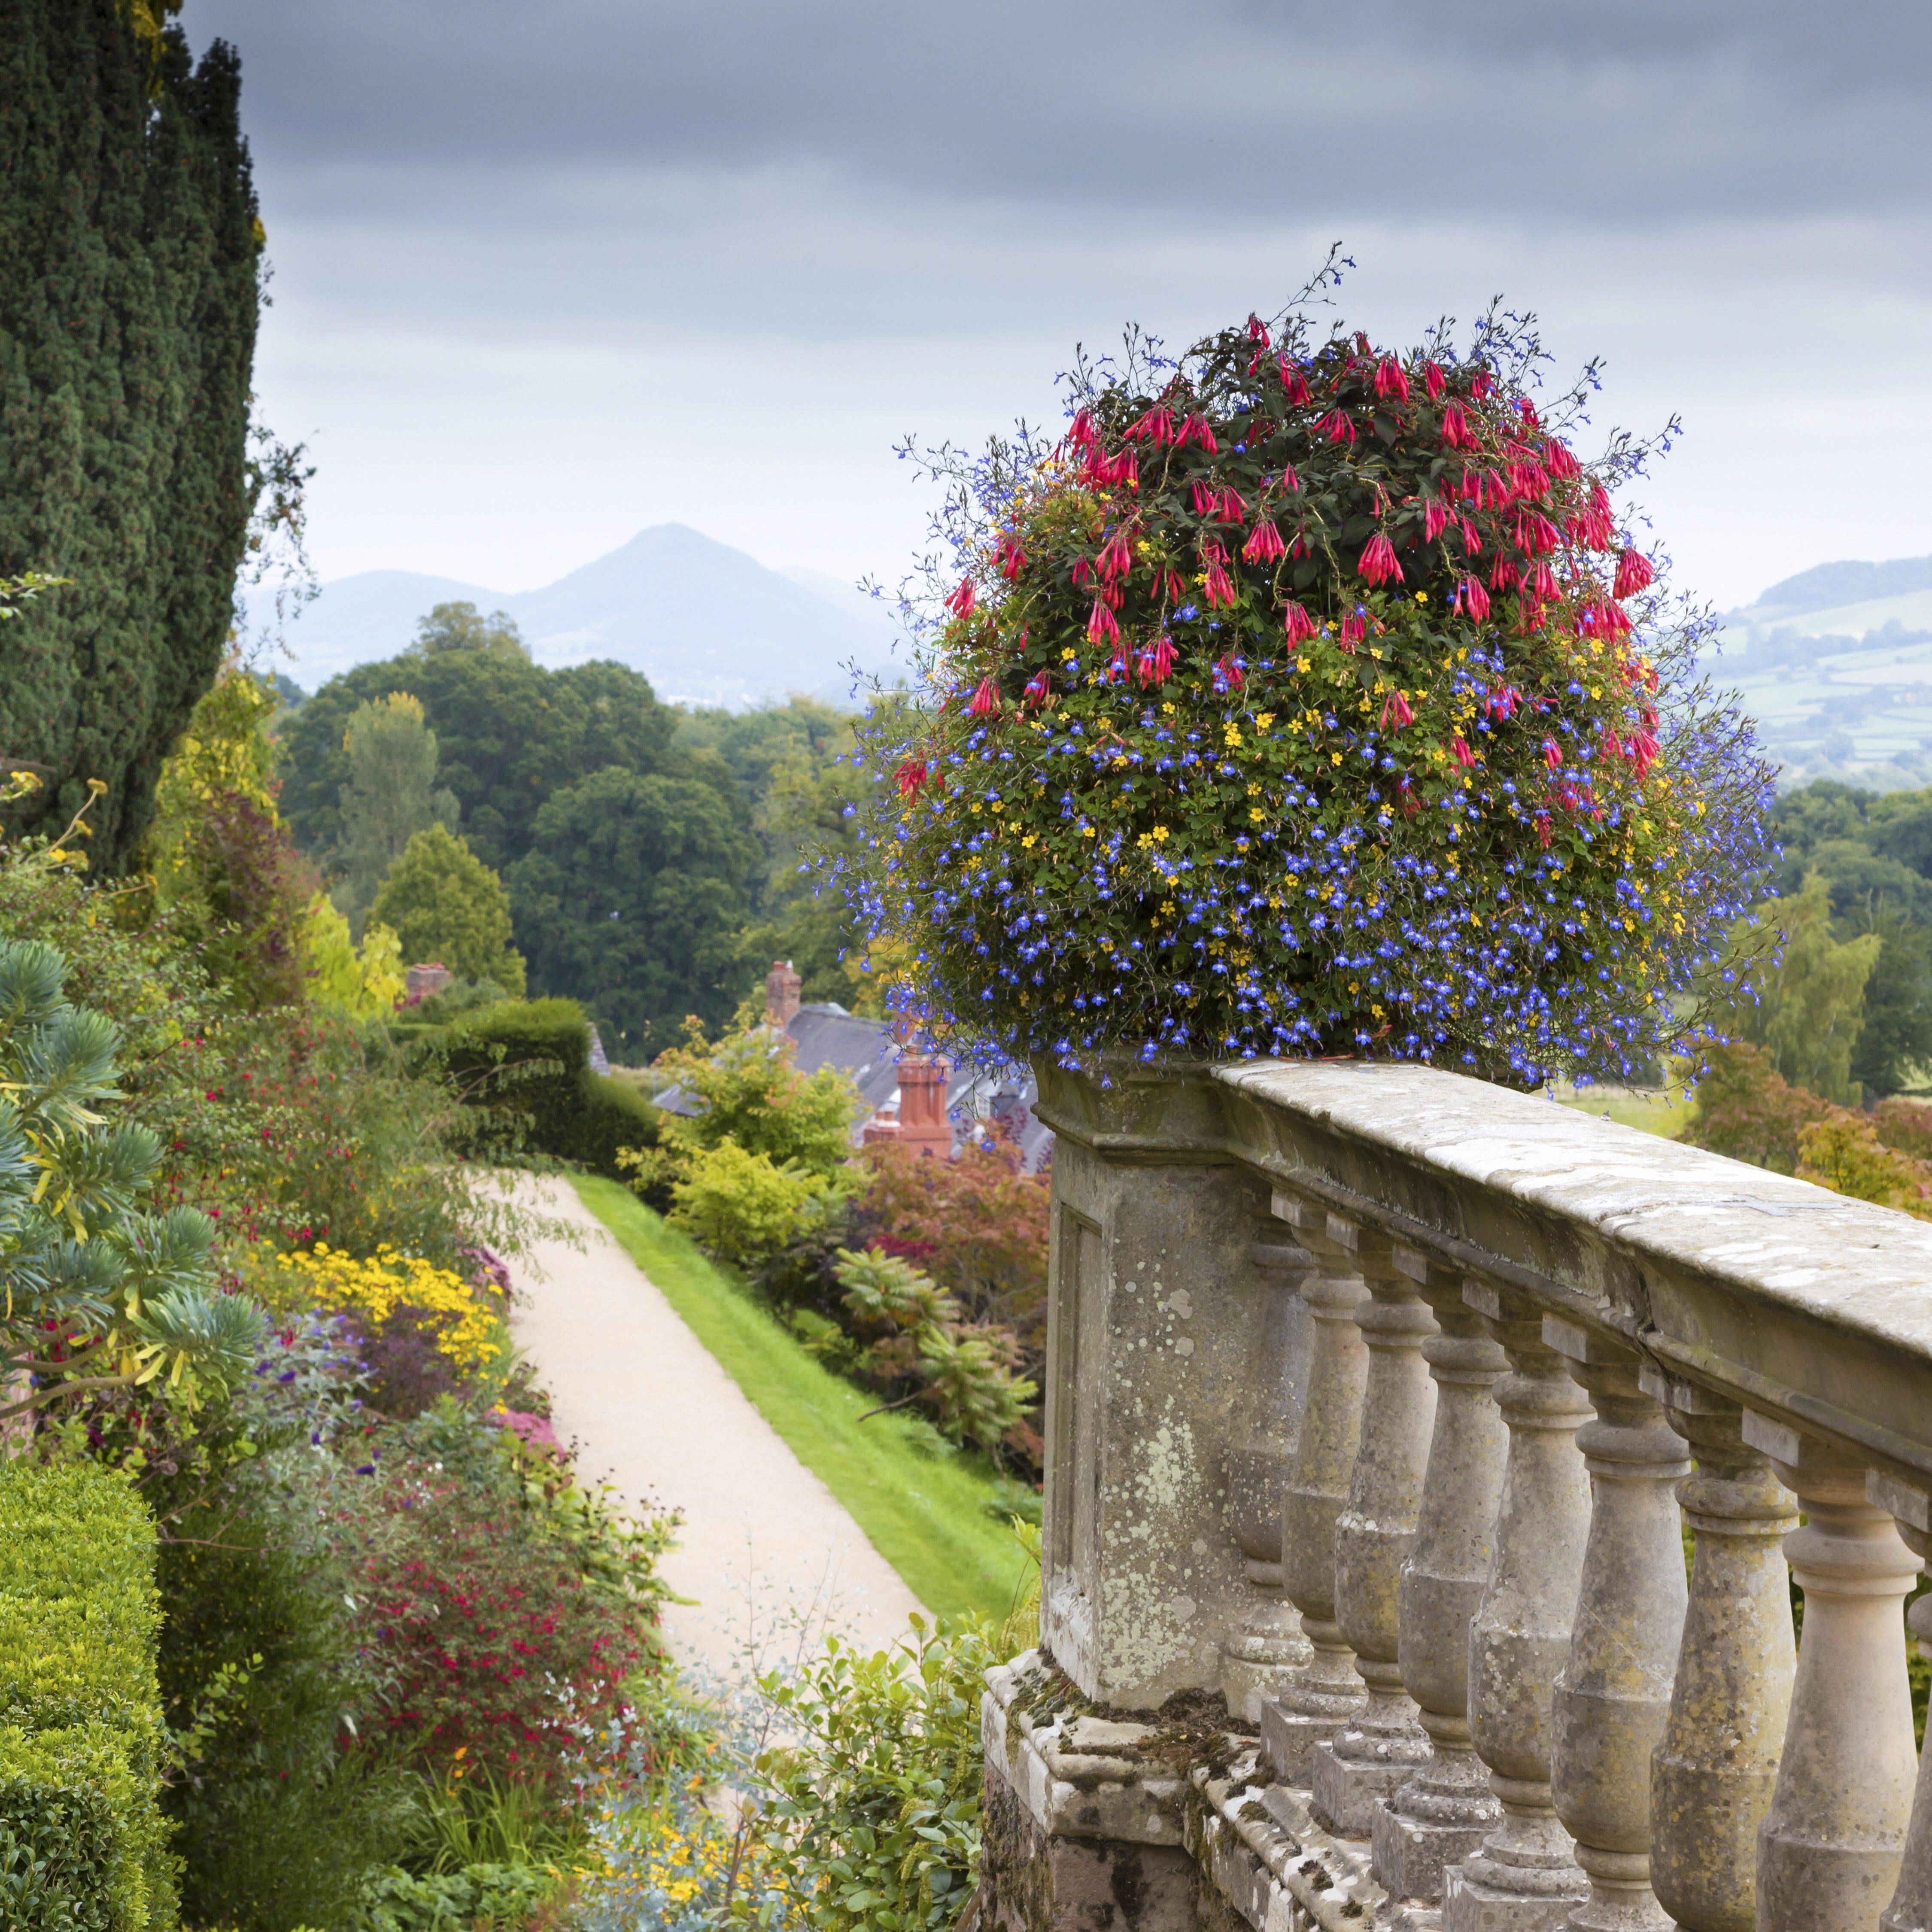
127,318
444,903
459,627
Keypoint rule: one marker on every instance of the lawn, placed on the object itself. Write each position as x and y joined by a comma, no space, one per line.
926,1515
1667,1113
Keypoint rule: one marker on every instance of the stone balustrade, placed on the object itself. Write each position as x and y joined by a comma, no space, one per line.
1383,1404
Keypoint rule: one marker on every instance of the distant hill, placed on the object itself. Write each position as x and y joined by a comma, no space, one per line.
1827,585
707,624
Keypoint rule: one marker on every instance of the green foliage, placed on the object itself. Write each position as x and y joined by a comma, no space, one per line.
871,1820
125,1289
81,1736
391,796
484,1895
127,321
1810,1004
458,627
631,897
444,903
527,1063
964,1373
745,1206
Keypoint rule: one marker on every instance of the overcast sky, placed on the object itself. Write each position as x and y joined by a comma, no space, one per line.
546,273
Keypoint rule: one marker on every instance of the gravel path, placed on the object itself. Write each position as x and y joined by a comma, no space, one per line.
652,1412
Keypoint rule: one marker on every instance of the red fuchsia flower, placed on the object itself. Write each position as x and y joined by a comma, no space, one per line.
1395,712
1038,688
962,600
1480,383
1633,574
1117,559
1289,481
985,700
1173,590
1436,381
1456,432
1459,750
1389,380
1529,479
1111,596
1118,668
1081,433
1257,329
1298,624
1503,701
1124,468
1435,520
1293,383
1504,575
1229,672
1354,628
1082,570
1337,427
1229,507
1473,599
1218,590
1202,498
1542,585
1612,746
1553,754
1536,535
1195,425
1378,564
1156,663
1264,545
1545,831
910,778
1101,628
1643,751
1411,805
1593,526
1558,461
1011,557
1530,420
1471,542
1156,426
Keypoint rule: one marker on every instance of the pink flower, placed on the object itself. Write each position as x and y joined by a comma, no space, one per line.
1299,624
1257,329
1542,585
1289,481
962,600
1117,559
1101,628
1527,410
1473,599
1612,746
1156,661
1082,570
1471,542
985,700
1378,564
1437,382
1553,754
1456,433
1479,384
1229,507
1012,556
1434,519
1219,590
1536,535
1633,574
1336,426
1354,628
910,776
1229,672
1202,498
1196,426
1264,545
1389,380
1293,383
1081,433
1459,750
1643,751
1558,461
1504,575
1395,712
1157,425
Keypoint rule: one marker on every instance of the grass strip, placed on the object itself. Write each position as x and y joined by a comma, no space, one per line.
925,1515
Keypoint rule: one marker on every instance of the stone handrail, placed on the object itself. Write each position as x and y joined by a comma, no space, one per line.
1380,1401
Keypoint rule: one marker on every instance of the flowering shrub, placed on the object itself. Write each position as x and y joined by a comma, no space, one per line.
1309,698
468,1330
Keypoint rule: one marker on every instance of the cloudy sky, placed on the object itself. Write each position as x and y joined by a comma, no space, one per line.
547,271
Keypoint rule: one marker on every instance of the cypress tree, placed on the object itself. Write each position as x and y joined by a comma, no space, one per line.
130,243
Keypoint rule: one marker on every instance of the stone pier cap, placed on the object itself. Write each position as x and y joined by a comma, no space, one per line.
1793,1301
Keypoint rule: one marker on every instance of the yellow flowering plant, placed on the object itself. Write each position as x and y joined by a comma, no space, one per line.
469,1331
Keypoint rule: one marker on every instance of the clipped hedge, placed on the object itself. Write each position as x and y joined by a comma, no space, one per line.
572,1114
83,1842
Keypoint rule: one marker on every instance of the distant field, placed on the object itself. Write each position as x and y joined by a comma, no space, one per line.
1664,1114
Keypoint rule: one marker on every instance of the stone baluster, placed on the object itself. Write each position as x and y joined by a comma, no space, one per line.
1613,1700
1524,1878
1911,1907
1383,1744
1263,1650
1444,1812
1713,1770
1829,1849
1324,1692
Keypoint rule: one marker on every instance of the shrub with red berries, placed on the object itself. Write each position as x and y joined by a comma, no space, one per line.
1310,697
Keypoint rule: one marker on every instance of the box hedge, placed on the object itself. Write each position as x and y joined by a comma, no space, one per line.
83,1846
569,1112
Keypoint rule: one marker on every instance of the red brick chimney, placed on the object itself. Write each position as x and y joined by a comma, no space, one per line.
781,985
923,1126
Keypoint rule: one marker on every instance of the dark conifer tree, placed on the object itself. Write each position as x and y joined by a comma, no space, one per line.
130,245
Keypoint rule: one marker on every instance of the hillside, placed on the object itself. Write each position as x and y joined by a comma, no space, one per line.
707,624
1835,663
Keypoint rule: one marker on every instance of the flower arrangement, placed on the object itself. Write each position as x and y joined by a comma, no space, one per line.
468,1332
1308,697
